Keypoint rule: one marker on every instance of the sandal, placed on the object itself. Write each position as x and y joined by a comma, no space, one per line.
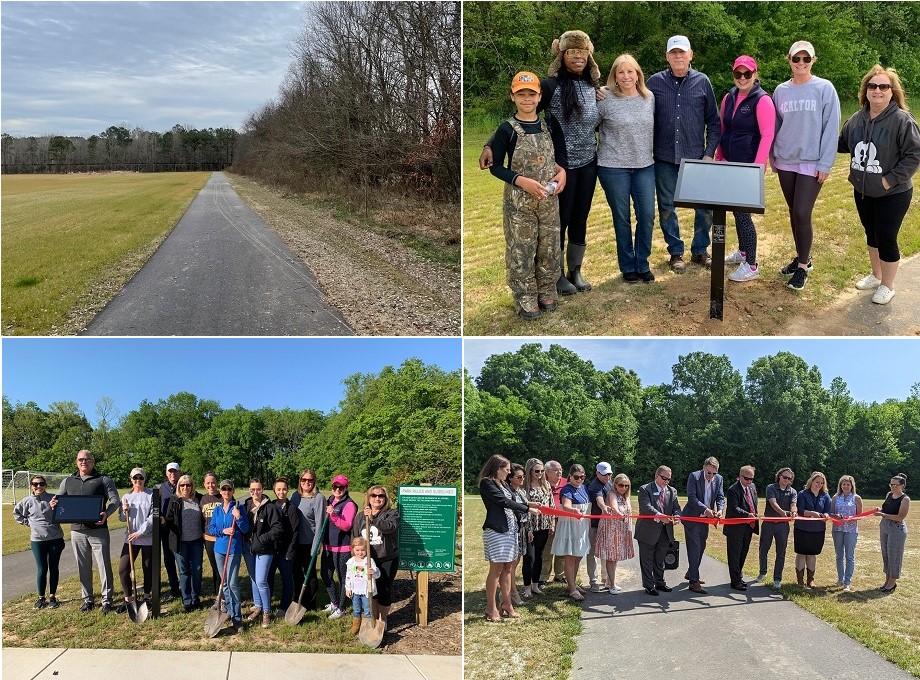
510,615
493,619
576,595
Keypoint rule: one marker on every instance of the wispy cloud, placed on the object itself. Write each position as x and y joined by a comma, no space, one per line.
204,64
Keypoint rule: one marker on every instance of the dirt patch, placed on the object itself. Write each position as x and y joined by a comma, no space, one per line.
377,275
445,620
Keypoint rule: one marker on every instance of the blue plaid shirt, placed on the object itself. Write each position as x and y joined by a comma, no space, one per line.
686,116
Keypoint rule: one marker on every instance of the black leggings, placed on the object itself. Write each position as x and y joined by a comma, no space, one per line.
334,563
388,569
47,556
533,559
801,192
575,203
881,217
301,562
215,572
124,567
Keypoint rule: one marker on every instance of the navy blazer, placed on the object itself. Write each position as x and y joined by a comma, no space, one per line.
736,506
696,493
648,530
496,502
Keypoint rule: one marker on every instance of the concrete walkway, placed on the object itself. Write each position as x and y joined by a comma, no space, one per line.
855,314
19,568
222,271
753,634
92,664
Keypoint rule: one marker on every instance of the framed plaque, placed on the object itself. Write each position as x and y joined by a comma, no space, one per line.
78,509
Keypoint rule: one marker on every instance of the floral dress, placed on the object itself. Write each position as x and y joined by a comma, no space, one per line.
614,540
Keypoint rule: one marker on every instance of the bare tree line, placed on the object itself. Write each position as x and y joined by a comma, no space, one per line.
118,148
371,102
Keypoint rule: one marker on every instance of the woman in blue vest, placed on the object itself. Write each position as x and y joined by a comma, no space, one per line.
229,525
337,544
748,127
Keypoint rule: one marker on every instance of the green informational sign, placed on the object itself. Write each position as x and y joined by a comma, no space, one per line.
427,527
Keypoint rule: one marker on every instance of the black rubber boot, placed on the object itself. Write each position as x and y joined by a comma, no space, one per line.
563,285
574,256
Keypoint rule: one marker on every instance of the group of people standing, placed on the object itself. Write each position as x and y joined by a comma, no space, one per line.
632,135
280,535
522,525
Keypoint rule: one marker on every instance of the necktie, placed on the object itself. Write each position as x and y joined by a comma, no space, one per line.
661,500
747,494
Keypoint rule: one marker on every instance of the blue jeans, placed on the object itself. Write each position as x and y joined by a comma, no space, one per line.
258,566
359,604
845,548
232,586
665,184
188,561
619,185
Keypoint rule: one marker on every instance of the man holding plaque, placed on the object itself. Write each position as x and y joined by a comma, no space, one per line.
91,540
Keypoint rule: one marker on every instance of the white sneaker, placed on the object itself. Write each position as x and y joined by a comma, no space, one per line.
328,608
744,272
736,257
615,590
336,614
868,282
883,295
760,578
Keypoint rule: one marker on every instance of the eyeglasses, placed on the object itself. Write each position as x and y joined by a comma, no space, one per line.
664,479
742,75
747,479
577,53
577,476
786,477
378,495
84,460
308,479
139,478
39,484
519,477
180,486
884,87
622,486
796,59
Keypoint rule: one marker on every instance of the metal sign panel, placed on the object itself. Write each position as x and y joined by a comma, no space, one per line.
718,184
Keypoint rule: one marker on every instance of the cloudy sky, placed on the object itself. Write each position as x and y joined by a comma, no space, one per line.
75,68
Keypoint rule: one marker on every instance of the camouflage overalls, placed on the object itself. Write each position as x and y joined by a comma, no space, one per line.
532,251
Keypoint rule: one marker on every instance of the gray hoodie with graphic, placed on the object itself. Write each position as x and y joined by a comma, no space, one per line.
887,146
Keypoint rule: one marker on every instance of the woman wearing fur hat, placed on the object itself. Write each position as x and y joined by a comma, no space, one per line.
569,100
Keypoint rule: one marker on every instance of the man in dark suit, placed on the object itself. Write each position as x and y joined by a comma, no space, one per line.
741,501
705,498
656,535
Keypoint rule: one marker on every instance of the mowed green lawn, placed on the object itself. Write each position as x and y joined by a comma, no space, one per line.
65,236
674,304
884,623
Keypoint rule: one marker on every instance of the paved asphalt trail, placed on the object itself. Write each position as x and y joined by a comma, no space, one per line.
19,568
753,634
222,271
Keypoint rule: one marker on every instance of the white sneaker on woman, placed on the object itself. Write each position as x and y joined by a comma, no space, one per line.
883,295
868,282
744,272
736,257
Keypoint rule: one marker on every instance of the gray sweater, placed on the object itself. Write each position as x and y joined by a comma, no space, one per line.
35,513
313,510
139,508
808,118
627,131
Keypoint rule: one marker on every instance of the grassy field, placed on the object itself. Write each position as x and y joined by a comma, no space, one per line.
674,304
882,623
70,242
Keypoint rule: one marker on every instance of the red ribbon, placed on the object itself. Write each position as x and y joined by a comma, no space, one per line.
570,514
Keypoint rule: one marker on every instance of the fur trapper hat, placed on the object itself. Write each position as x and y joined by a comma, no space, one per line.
573,40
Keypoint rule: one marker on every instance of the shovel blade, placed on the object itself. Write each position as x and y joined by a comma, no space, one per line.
143,613
215,621
371,632
132,611
295,613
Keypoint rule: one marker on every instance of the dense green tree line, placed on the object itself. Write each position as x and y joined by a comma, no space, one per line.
552,404
399,426
849,37
118,148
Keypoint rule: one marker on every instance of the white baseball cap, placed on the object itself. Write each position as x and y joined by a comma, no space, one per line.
172,466
802,46
678,42
604,468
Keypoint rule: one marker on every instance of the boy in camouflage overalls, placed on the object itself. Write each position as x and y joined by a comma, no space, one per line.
531,206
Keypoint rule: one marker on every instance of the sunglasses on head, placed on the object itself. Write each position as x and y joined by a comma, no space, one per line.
796,59
742,75
884,87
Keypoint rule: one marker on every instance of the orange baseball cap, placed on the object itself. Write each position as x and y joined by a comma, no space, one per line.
525,80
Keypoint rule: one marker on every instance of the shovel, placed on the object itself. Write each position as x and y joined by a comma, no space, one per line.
372,629
295,611
217,618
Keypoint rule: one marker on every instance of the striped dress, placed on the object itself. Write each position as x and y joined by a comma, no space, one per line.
503,548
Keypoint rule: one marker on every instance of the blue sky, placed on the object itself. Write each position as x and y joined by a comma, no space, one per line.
74,68
295,373
874,369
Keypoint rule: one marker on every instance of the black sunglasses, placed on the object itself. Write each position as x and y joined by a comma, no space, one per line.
226,488
747,479
337,486
139,477
884,87
308,479
578,476
787,478
796,59
742,75
378,495
39,483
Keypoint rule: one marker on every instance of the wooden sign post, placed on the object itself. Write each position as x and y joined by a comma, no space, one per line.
421,598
